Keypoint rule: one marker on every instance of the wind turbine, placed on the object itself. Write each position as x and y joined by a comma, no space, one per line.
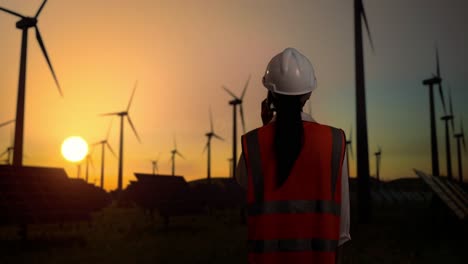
435,80
155,164
122,115
89,160
446,118
210,135
236,101
175,152
9,149
104,143
24,24
349,147
377,162
460,137
8,152
364,198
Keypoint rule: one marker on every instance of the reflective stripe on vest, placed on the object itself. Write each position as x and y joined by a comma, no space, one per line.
291,245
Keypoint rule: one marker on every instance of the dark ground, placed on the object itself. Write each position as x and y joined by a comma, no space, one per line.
126,235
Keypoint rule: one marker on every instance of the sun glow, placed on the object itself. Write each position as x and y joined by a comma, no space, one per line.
74,149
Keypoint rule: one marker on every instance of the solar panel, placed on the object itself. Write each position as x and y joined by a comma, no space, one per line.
30,195
440,188
386,196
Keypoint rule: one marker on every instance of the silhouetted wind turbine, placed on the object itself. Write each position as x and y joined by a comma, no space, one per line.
435,80
210,135
349,147
446,118
7,152
89,160
236,101
122,115
175,152
24,24
155,164
458,137
364,198
9,149
377,162
104,143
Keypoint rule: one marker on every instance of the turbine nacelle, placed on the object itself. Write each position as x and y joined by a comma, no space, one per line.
236,101
26,22
432,81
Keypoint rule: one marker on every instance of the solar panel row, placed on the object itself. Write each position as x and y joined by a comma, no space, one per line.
449,192
36,195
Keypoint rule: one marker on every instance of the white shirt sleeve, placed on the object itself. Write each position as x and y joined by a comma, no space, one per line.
345,211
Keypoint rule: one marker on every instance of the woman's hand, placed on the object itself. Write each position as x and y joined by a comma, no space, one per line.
266,112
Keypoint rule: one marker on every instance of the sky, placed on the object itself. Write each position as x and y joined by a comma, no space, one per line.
182,52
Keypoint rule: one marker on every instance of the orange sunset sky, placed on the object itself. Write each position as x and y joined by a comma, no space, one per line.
182,52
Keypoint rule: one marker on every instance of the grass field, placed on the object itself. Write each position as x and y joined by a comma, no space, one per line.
127,235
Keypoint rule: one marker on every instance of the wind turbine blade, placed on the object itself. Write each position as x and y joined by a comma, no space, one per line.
218,137
211,121
108,130
351,148
133,128
463,135
242,118
229,92
110,148
441,92
451,109
11,12
6,123
131,97
364,16
351,134
175,142
108,114
245,87
40,9
180,154
437,61
205,148
44,51
438,75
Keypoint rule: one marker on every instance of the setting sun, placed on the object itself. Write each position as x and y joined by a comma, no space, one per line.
74,149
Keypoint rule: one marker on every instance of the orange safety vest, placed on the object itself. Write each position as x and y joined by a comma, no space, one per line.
298,222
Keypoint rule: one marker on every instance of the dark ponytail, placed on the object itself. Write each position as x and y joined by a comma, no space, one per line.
289,134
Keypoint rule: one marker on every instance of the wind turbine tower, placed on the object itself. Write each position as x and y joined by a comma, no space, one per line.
364,198
175,152
235,102
122,115
210,135
460,137
446,119
378,155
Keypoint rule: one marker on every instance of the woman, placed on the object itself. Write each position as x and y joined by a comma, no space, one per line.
295,175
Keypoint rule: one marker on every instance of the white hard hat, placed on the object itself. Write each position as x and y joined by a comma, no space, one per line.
290,73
